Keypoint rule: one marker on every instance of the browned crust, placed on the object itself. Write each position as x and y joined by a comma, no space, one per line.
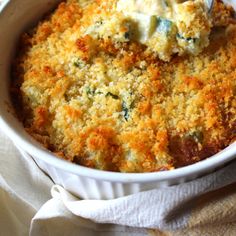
210,77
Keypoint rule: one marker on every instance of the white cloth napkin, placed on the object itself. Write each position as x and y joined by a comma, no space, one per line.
26,204
27,207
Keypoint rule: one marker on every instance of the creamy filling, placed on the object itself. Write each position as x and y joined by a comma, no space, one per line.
166,27
144,12
149,7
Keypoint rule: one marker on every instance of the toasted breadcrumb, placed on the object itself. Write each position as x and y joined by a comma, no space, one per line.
114,105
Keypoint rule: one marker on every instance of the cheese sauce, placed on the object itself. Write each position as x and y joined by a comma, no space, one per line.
148,7
169,26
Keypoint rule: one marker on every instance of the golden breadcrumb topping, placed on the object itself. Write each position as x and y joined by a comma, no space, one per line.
111,104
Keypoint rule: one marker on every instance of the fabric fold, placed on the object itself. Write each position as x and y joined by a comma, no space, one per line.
165,209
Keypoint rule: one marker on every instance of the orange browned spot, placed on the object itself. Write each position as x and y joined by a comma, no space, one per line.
60,74
84,43
193,82
128,61
74,114
124,28
141,142
147,91
65,16
48,70
157,85
162,140
226,91
87,46
154,72
145,107
211,114
101,138
108,47
60,87
98,2
40,117
46,30
97,142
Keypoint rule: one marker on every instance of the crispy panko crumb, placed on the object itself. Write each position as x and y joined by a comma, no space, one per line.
116,106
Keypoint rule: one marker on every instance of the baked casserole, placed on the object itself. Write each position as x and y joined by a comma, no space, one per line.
129,88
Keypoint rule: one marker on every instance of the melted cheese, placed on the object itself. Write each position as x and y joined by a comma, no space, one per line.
148,7
185,25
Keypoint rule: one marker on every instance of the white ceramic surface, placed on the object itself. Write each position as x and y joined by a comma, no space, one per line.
15,17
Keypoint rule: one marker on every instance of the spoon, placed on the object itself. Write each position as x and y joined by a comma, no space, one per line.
209,4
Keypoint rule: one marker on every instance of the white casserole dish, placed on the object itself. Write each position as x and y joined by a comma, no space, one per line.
15,17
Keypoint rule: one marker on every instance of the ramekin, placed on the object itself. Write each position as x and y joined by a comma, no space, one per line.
15,17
